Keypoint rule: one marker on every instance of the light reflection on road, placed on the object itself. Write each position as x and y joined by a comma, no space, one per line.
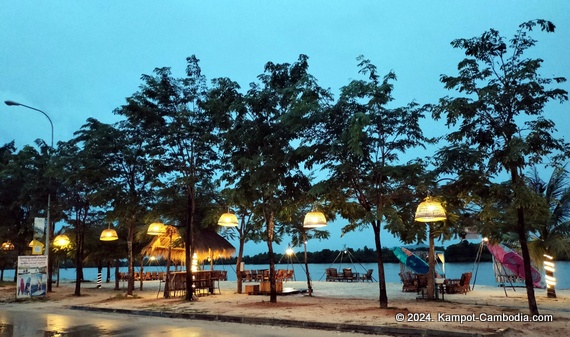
73,323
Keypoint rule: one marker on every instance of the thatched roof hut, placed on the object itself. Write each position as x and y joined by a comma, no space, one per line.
208,244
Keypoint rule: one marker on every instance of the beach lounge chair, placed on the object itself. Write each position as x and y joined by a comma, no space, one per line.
457,286
367,276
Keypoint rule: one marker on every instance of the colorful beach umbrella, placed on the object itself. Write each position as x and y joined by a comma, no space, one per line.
410,260
514,262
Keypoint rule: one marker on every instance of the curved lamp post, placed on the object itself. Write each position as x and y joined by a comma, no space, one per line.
430,211
48,226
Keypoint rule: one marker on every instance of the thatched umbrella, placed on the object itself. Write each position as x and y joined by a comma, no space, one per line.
208,244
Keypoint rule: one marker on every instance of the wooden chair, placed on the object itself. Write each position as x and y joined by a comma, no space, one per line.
280,275
247,275
457,286
331,275
409,282
290,274
348,275
421,282
367,276
253,274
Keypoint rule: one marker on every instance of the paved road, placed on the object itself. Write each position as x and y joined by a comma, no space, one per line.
71,323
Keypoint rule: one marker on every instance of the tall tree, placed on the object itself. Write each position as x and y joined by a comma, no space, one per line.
361,141
170,110
261,133
127,173
501,86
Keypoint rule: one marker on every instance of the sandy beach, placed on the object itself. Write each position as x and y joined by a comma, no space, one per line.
336,302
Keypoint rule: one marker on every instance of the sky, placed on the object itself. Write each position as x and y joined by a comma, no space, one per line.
80,59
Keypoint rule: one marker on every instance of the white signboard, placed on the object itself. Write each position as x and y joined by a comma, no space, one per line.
32,276
39,227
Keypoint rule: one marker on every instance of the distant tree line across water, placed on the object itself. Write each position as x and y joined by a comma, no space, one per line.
463,251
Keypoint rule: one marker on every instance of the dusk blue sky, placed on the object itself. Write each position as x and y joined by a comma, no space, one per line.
80,59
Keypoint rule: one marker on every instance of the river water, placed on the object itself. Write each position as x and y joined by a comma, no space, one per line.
482,272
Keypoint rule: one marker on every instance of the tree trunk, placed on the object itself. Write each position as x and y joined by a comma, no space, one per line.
78,263
108,280
189,251
431,263
270,234
131,279
117,275
381,277
141,279
309,286
238,264
524,250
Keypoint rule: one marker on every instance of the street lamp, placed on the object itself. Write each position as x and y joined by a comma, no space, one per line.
430,211
312,220
61,241
48,227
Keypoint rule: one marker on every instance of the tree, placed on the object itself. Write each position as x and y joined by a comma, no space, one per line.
361,141
23,192
170,111
127,175
500,87
261,133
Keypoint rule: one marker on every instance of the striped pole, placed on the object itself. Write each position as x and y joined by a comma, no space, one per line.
550,279
99,280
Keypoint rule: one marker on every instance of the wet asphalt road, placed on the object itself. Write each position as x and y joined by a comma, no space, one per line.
73,323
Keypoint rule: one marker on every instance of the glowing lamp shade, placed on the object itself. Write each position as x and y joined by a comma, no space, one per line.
109,234
228,220
314,220
430,210
156,228
7,245
61,240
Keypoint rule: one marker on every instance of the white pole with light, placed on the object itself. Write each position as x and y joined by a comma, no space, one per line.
430,211
48,226
312,220
550,279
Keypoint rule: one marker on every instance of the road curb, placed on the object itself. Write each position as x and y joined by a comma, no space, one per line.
367,329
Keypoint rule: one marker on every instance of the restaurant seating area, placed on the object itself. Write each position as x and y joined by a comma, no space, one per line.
262,275
418,283
458,286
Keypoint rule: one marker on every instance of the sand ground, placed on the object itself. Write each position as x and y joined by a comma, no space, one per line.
336,302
